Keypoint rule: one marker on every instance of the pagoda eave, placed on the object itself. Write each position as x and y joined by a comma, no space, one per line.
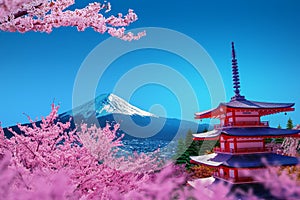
215,113
258,132
221,110
209,135
233,136
233,182
264,136
246,132
206,138
205,164
245,161
234,167
264,112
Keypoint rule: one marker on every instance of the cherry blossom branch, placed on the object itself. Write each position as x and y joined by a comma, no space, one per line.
45,15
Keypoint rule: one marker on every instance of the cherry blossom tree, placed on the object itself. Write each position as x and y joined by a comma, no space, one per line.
291,145
44,15
85,160
280,183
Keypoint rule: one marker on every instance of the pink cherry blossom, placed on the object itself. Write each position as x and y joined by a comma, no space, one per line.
44,15
85,159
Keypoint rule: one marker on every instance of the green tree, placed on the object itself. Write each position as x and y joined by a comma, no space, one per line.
187,148
191,145
279,126
189,138
289,124
180,152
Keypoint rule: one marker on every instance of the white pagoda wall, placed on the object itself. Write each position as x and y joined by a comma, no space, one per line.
250,172
247,113
247,119
241,145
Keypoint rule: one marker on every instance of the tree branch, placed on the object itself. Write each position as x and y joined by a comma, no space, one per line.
20,14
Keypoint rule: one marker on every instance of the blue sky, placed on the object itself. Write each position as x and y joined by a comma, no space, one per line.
38,67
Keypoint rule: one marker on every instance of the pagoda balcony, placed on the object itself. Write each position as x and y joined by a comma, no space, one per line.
244,150
243,124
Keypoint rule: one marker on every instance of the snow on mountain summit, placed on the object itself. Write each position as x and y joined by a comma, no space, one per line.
106,104
114,104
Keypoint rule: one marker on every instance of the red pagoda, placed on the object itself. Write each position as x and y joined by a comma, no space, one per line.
242,136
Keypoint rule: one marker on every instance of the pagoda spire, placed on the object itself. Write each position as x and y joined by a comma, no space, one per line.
235,76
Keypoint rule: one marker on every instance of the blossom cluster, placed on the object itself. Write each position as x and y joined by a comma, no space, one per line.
48,154
44,15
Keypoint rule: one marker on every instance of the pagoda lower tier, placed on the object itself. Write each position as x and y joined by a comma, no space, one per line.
243,152
242,168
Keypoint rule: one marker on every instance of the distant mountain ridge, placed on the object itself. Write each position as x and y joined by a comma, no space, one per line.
134,122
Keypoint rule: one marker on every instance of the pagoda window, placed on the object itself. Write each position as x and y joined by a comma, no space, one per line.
231,173
229,114
221,172
222,146
230,119
222,122
231,146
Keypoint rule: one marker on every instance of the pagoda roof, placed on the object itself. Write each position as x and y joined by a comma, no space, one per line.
258,131
247,131
244,103
214,134
245,160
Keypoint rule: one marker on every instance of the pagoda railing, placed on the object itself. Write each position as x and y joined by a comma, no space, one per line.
234,180
264,123
244,150
244,179
243,124
217,175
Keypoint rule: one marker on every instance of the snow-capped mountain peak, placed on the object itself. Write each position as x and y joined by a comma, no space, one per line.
107,104
114,104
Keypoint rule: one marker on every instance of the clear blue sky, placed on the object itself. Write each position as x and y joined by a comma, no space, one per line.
38,67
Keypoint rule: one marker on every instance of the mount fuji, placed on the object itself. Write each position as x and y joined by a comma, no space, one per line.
134,122
106,104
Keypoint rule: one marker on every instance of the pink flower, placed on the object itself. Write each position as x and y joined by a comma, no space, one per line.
44,15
